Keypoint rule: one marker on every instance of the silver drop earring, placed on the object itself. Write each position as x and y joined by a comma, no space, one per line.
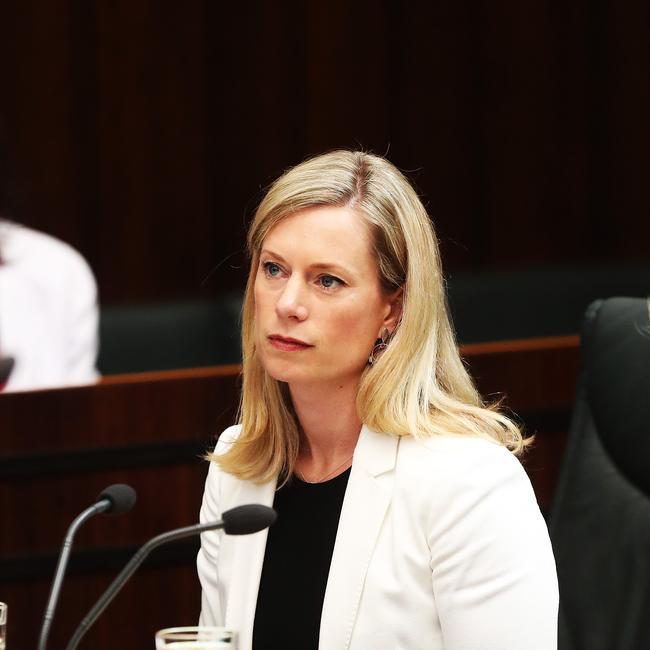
380,345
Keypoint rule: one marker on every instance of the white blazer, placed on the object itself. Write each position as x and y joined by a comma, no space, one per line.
440,545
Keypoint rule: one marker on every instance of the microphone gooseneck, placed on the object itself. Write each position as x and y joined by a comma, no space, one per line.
115,499
242,520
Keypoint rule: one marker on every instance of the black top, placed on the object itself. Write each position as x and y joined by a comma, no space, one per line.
296,564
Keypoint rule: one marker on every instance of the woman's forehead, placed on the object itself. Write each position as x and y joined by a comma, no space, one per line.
333,232
322,217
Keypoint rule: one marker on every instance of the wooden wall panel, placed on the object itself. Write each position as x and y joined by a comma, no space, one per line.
143,132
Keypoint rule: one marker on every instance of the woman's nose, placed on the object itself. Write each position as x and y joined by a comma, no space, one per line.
291,301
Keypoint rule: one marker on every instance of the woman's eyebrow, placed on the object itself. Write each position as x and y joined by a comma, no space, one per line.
329,266
325,266
272,254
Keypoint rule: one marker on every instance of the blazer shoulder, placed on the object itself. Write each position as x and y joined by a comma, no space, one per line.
458,483
456,462
215,474
227,438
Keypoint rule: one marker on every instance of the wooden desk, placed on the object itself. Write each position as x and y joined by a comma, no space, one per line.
61,447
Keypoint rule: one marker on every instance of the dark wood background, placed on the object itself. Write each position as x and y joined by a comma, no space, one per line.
142,132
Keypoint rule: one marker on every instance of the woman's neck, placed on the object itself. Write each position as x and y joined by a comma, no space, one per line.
329,424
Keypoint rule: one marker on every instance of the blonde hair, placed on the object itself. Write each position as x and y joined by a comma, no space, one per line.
418,386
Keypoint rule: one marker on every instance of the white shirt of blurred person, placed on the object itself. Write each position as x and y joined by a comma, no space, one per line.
48,311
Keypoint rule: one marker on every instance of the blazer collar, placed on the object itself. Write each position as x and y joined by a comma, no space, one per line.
366,501
247,562
368,495
375,452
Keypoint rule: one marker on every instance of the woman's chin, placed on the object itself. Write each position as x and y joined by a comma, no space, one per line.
292,373
306,377
290,376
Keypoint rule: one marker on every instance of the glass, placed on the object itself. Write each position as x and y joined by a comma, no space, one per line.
196,638
3,625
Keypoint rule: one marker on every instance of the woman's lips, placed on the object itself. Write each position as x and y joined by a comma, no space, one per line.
287,344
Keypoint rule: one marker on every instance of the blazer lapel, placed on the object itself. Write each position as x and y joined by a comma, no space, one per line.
366,501
247,560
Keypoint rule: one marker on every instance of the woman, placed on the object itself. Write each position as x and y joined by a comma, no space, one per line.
405,521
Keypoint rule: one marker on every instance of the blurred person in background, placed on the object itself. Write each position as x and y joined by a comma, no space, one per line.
48,306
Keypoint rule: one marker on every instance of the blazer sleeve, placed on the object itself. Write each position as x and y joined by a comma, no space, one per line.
206,561
212,605
493,571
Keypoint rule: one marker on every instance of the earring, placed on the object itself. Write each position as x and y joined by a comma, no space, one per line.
380,345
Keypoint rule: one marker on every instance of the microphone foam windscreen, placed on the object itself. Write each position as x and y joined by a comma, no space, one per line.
251,518
121,496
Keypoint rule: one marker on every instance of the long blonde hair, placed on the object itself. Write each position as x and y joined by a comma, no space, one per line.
419,385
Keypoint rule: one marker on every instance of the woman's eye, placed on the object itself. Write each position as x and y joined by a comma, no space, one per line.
271,269
329,281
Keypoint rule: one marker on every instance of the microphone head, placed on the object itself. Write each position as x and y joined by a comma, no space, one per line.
122,498
251,518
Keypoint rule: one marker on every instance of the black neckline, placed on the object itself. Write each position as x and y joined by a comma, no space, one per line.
339,477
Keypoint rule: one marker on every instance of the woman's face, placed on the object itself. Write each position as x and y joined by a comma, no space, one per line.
319,306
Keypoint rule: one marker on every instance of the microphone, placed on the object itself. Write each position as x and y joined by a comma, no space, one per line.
113,500
242,520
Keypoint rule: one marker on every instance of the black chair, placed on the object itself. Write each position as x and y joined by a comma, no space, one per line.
492,305
600,520
162,336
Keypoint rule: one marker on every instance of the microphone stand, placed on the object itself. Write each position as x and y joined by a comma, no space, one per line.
89,512
128,571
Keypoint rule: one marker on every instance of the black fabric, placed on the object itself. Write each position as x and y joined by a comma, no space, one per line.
6,366
159,336
618,377
600,521
296,564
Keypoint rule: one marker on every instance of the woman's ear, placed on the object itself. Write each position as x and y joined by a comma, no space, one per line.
394,313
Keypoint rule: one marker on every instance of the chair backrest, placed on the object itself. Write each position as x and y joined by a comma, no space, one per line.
160,336
492,305
600,519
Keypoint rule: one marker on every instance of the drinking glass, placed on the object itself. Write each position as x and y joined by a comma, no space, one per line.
3,625
196,638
